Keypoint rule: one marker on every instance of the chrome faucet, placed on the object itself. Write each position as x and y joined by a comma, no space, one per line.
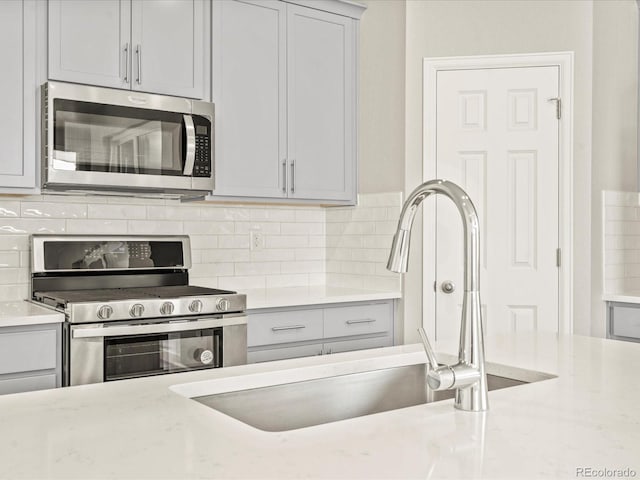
468,376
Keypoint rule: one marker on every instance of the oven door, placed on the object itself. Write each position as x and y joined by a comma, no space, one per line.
108,139
116,351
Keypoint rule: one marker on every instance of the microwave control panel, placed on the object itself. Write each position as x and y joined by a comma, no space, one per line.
202,163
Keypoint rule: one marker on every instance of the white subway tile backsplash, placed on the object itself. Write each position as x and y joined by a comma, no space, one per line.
157,212
308,266
97,227
32,225
273,255
621,241
104,211
14,242
302,228
273,215
262,227
257,268
154,227
302,245
53,210
9,259
286,241
210,228
10,209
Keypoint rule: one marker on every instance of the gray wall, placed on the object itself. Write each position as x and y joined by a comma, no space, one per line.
614,161
382,82
603,37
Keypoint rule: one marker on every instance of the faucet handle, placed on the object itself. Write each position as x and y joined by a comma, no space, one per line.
439,377
431,355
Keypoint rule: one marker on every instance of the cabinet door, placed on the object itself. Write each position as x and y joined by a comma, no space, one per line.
321,104
89,42
168,47
18,91
249,51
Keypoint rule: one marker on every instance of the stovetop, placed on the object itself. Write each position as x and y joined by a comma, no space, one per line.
140,303
137,293
113,277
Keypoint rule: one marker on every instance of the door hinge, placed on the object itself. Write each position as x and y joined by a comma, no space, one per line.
558,257
558,101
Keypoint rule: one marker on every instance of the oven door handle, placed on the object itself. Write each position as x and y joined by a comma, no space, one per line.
169,327
190,156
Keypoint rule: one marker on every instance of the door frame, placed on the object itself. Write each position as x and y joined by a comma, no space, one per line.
563,60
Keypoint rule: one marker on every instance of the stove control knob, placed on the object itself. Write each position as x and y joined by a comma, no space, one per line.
166,308
105,312
136,310
223,304
195,306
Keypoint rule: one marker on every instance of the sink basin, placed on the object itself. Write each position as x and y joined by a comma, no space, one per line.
306,403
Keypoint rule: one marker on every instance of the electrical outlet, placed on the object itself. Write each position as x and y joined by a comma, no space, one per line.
256,240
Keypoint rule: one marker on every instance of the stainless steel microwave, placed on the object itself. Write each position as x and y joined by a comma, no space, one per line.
108,141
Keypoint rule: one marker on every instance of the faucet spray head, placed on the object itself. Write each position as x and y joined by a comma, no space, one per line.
399,255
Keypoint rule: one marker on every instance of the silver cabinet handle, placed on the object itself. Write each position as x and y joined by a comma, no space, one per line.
293,176
288,327
139,60
364,320
191,145
126,63
284,176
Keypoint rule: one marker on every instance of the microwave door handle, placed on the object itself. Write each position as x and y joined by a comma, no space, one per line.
191,145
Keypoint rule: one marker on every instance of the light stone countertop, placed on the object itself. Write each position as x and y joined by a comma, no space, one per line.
22,312
627,297
312,295
587,417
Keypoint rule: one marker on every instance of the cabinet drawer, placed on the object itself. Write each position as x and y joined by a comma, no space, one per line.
283,353
284,327
625,322
358,320
27,384
358,344
27,351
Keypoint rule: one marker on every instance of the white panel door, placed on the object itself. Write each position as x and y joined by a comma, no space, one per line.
18,89
250,94
168,47
321,114
497,137
89,42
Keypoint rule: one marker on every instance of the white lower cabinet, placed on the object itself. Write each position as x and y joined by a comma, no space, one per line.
623,321
30,358
277,334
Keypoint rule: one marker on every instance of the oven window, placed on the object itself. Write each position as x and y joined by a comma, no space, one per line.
144,355
107,138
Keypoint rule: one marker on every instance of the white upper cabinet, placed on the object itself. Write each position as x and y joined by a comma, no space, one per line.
89,42
321,104
18,95
285,93
147,45
249,49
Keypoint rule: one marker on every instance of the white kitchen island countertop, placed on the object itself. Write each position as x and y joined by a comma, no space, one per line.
586,418
312,295
22,312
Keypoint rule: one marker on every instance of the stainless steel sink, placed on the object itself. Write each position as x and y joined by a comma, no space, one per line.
313,402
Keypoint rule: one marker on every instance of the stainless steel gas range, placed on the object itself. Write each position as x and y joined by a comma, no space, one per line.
129,308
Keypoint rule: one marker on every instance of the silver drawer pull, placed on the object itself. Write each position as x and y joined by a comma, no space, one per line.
364,320
290,327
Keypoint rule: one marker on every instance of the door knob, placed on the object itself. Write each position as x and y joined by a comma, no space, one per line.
448,286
